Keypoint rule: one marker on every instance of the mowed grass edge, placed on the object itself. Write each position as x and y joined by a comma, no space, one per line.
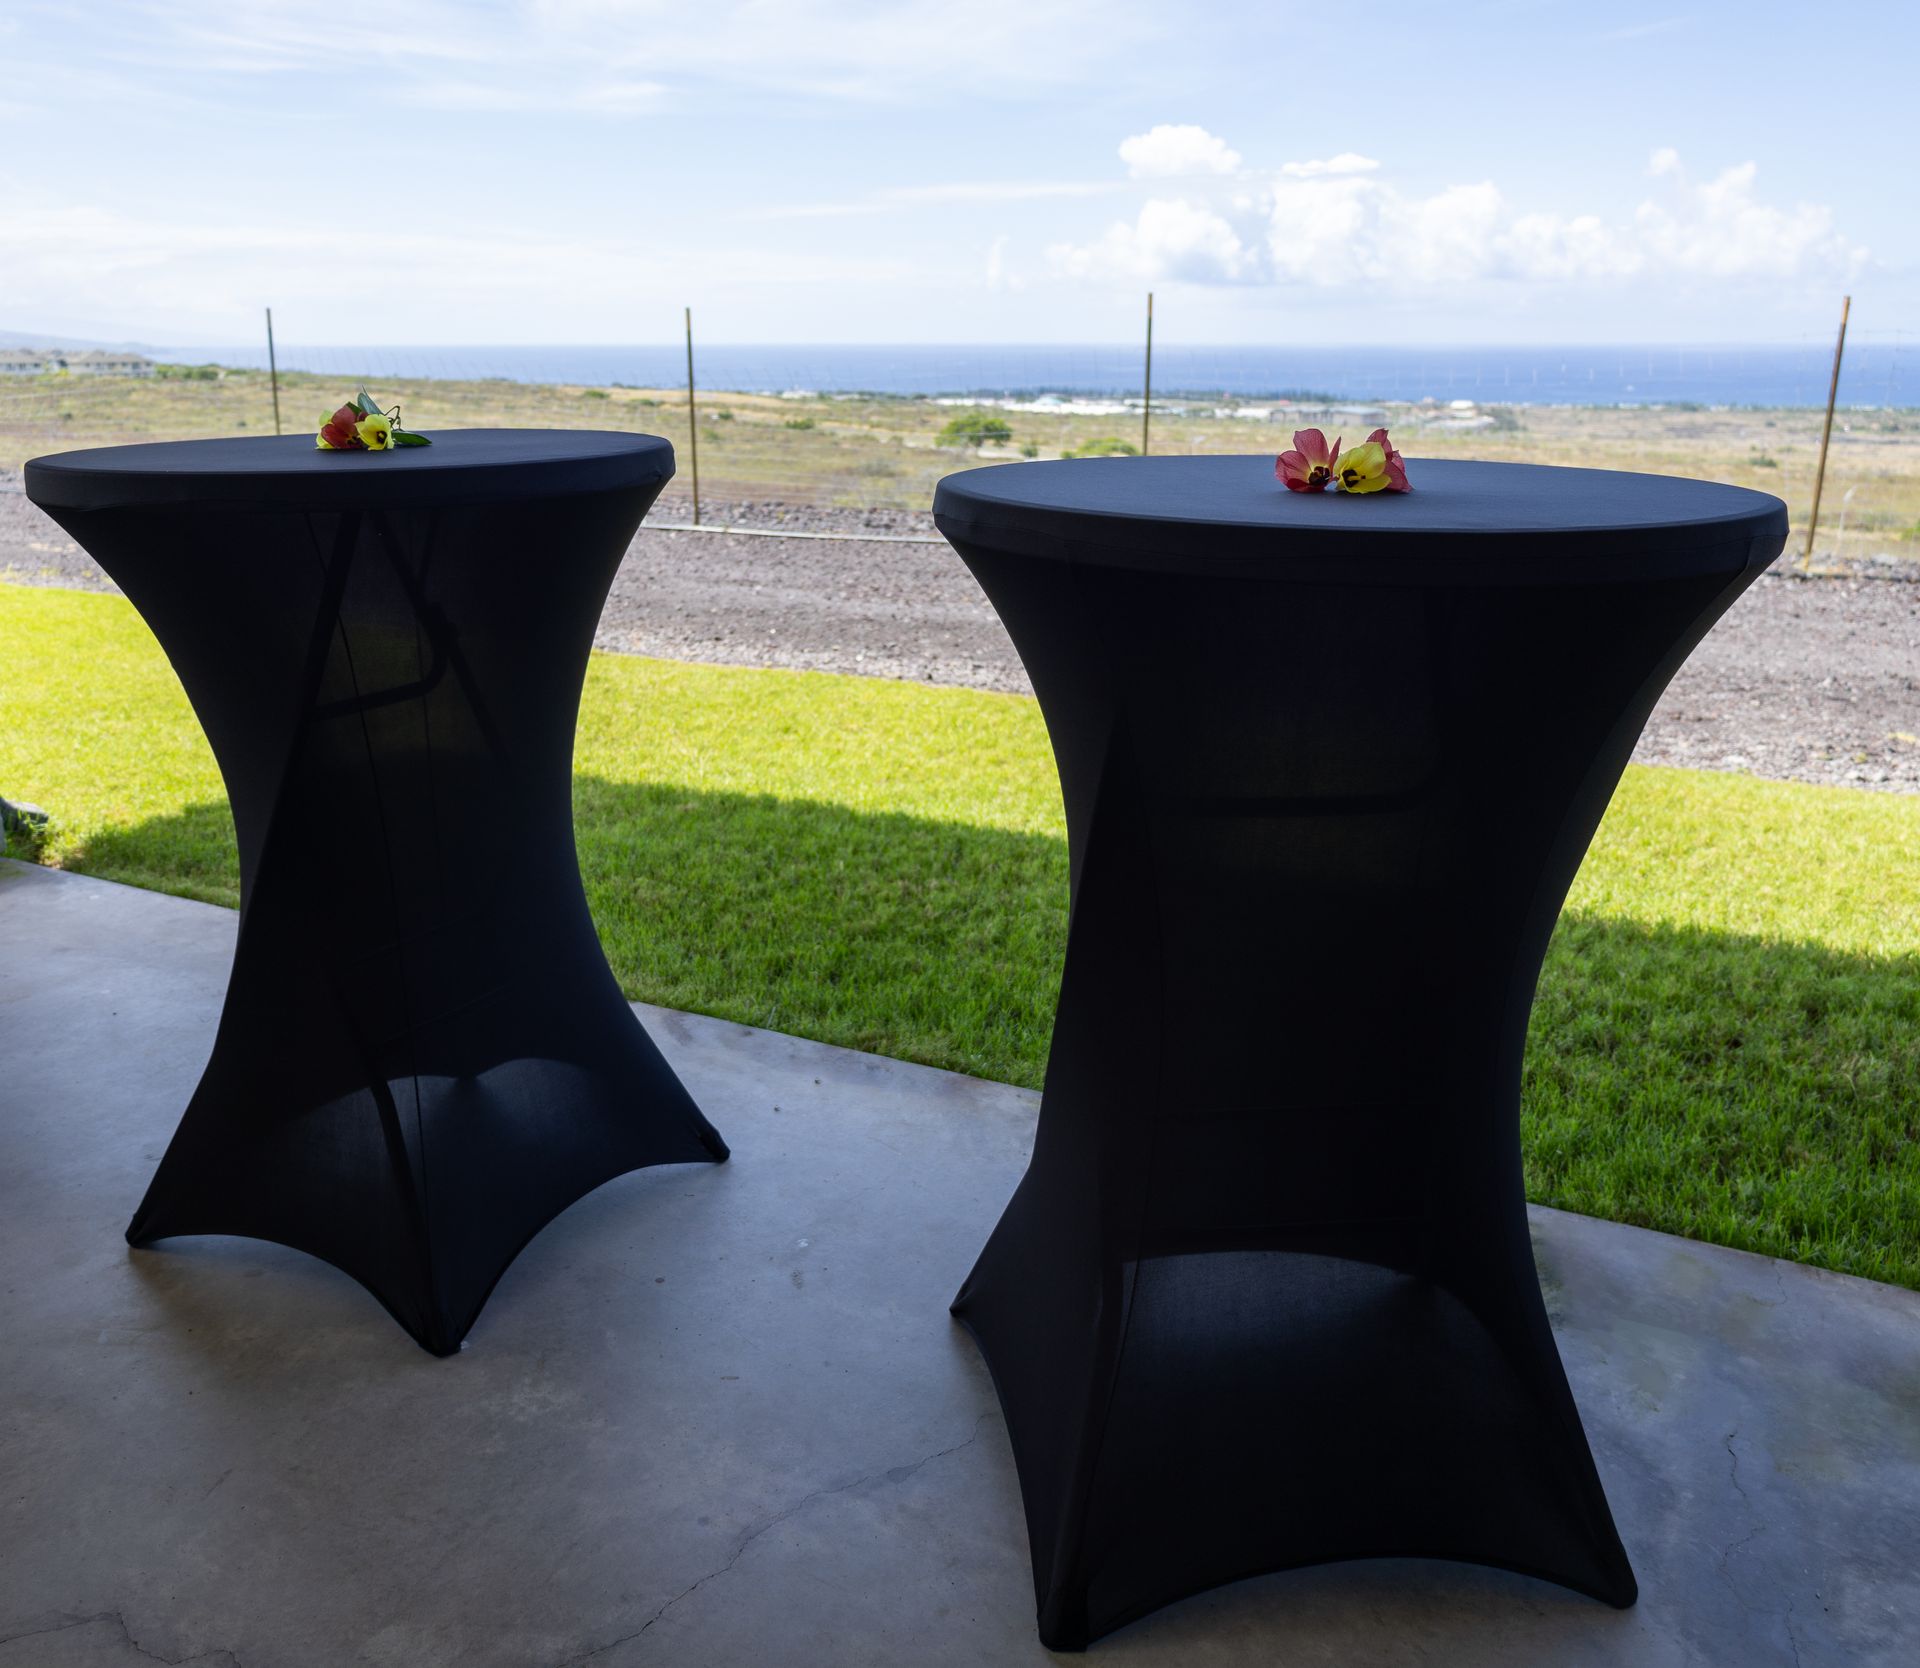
1726,1043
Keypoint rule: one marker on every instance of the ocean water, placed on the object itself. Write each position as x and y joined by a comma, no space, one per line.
1875,374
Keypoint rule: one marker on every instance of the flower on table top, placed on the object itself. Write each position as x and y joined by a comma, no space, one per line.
1310,465
1396,464
1372,466
337,432
361,426
1364,468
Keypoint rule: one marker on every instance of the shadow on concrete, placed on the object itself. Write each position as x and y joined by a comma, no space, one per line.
1754,1093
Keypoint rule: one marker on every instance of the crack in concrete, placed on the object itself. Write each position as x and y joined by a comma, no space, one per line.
893,1475
1779,1285
1739,1488
126,1633
58,1627
1752,1534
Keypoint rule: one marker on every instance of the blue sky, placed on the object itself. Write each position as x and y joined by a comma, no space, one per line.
963,171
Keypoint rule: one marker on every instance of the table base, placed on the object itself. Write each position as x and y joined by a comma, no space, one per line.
1353,1409
1265,1296
423,1188
424,1056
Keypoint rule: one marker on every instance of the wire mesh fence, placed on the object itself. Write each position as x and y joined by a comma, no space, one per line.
855,428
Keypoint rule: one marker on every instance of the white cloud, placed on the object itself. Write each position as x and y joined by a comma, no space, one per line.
1320,233
1346,230
1168,151
1720,229
1347,162
1171,238
1336,223
1446,236
1545,248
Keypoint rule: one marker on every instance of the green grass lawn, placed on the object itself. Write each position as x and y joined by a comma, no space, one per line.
1726,1044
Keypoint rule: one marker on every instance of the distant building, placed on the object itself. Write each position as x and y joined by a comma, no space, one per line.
46,361
97,363
1293,412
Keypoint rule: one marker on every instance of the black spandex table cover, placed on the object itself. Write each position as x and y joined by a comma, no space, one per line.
1265,1296
423,1056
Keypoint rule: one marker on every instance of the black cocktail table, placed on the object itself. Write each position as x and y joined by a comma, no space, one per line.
423,1056
1266,1297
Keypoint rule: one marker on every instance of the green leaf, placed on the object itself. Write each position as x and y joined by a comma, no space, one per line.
364,401
406,437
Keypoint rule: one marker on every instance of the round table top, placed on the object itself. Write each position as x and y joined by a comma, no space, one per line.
464,466
1463,522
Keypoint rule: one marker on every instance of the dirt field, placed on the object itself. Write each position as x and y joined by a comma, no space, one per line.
1811,679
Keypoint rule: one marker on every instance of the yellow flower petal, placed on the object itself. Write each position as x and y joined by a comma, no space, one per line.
1364,468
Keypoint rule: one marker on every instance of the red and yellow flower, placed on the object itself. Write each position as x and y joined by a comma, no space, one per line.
1311,463
338,432
361,426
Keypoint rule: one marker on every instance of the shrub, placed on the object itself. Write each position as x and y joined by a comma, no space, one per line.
974,428
1106,446
799,423
595,394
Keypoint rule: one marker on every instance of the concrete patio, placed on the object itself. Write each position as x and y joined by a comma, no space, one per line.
719,1416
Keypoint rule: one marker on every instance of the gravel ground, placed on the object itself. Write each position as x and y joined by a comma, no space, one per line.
1807,679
